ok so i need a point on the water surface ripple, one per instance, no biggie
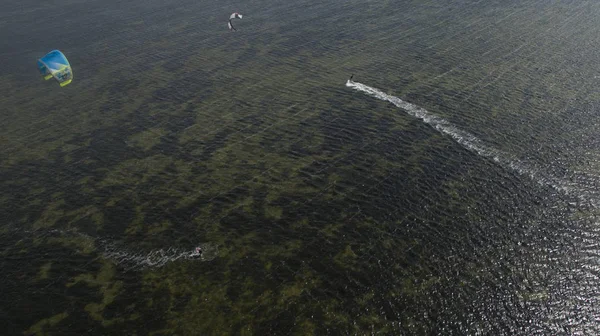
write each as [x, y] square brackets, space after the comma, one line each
[457, 196]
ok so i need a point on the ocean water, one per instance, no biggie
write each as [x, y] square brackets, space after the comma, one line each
[197, 181]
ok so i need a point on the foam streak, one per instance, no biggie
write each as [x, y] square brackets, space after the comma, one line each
[473, 144]
[157, 258]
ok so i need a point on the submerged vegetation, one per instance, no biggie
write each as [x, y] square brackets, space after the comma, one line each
[325, 211]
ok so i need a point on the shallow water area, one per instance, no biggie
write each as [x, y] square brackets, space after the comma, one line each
[450, 188]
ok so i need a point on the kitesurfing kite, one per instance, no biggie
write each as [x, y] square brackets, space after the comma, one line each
[55, 64]
[231, 17]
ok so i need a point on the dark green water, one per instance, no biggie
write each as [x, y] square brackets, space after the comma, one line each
[320, 209]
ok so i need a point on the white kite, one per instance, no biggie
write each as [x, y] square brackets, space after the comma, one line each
[235, 15]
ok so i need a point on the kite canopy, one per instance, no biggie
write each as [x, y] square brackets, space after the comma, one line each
[231, 17]
[55, 64]
[235, 16]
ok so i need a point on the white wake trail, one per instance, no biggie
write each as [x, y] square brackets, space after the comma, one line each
[125, 257]
[157, 258]
[475, 145]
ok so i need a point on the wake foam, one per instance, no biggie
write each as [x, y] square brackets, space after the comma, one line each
[124, 257]
[473, 144]
[158, 258]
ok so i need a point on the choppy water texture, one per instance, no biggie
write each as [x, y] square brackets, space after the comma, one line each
[452, 188]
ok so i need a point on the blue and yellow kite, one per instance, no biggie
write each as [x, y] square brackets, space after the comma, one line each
[55, 64]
